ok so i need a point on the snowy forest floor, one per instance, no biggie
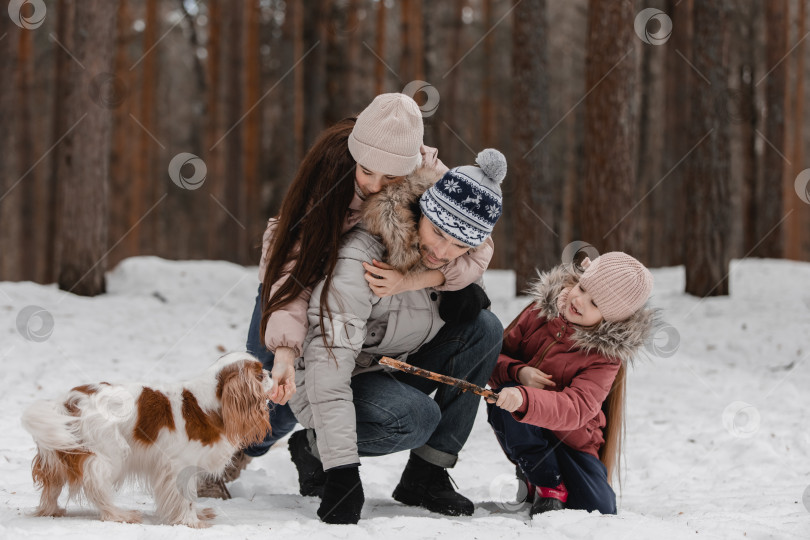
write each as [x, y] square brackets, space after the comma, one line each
[718, 430]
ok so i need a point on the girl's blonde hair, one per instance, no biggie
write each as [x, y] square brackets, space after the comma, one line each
[613, 407]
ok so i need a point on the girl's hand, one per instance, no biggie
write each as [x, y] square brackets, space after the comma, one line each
[509, 399]
[283, 375]
[430, 159]
[533, 377]
[384, 280]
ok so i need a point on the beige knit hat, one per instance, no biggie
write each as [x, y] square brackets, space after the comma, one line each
[388, 134]
[618, 283]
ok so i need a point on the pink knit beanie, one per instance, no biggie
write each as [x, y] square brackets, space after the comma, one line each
[388, 135]
[618, 283]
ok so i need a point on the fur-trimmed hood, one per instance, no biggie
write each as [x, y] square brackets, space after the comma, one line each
[392, 214]
[617, 340]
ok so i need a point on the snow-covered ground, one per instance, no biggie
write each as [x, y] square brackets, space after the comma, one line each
[718, 430]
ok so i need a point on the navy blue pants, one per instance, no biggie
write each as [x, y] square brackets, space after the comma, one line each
[546, 462]
[282, 420]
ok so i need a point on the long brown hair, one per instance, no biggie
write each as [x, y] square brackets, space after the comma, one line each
[310, 222]
[613, 407]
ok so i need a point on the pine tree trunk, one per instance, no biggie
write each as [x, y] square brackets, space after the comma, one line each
[672, 191]
[748, 130]
[122, 159]
[609, 221]
[379, 48]
[233, 235]
[83, 156]
[768, 231]
[29, 209]
[253, 135]
[532, 196]
[798, 222]
[138, 239]
[10, 166]
[213, 145]
[708, 224]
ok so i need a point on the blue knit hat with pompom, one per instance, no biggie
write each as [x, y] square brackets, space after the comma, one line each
[467, 201]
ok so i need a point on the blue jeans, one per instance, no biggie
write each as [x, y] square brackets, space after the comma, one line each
[546, 461]
[282, 420]
[394, 410]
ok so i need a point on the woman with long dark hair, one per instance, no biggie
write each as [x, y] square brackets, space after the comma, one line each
[349, 161]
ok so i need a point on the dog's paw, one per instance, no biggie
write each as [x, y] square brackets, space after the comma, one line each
[196, 523]
[206, 513]
[50, 512]
[123, 516]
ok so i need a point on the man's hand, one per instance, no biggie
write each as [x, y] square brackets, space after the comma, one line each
[533, 377]
[384, 280]
[283, 375]
[509, 399]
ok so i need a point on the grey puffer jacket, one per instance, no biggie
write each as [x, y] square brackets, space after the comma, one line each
[363, 327]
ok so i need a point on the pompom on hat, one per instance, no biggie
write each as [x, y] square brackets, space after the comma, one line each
[388, 135]
[618, 284]
[467, 201]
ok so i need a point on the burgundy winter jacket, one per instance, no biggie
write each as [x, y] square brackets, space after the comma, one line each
[582, 362]
[572, 409]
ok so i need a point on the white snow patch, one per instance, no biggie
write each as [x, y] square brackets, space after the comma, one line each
[697, 464]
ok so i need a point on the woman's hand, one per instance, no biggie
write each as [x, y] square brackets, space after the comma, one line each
[283, 375]
[534, 378]
[509, 399]
[384, 280]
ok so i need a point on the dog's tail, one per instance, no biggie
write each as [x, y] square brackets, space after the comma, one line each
[53, 425]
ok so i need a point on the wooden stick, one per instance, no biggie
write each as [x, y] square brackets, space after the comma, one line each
[462, 385]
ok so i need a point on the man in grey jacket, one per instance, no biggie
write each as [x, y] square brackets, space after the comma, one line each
[353, 408]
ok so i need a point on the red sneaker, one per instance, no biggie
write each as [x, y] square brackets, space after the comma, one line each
[548, 499]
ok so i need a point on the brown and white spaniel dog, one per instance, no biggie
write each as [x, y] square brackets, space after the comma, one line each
[98, 435]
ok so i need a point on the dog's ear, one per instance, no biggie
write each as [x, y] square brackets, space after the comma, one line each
[244, 404]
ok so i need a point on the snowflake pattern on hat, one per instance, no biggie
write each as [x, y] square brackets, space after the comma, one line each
[463, 204]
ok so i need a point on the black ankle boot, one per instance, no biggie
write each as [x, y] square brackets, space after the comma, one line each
[545, 504]
[311, 477]
[429, 486]
[343, 497]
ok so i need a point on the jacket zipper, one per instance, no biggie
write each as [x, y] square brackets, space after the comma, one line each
[542, 356]
[430, 327]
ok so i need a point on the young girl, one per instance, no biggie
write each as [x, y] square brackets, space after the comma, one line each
[349, 161]
[561, 379]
